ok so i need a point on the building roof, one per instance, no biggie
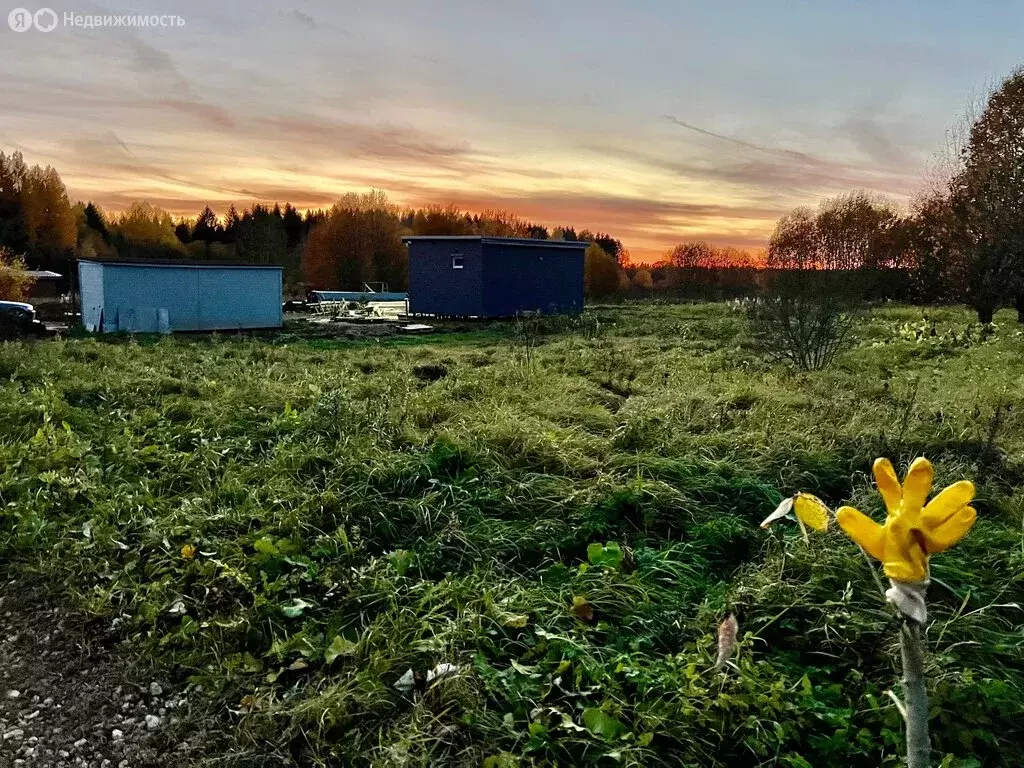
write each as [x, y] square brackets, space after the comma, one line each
[177, 263]
[485, 240]
[43, 274]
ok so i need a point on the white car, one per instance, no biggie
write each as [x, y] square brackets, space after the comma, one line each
[18, 308]
[22, 317]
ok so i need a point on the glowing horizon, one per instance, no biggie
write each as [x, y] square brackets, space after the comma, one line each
[655, 123]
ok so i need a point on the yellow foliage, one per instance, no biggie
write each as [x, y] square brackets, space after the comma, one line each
[14, 280]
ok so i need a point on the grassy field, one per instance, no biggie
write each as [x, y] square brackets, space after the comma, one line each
[291, 525]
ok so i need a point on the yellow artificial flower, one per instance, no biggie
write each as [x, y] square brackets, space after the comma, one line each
[808, 509]
[811, 510]
[912, 530]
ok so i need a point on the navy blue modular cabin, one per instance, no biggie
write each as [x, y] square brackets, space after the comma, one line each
[474, 276]
[160, 297]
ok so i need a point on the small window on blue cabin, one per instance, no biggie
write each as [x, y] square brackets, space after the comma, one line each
[458, 261]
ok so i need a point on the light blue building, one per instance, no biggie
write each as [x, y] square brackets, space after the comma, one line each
[165, 296]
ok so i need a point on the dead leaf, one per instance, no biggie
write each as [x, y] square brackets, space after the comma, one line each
[249, 703]
[727, 632]
[581, 609]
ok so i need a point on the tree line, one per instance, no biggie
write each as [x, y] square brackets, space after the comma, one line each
[962, 239]
[356, 241]
[359, 240]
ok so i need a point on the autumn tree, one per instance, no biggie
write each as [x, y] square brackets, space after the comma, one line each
[358, 241]
[794, 241]
[699, 269]
[441, 220]
[600, 272]
[854, 243]
[501, 223]
[49, 223]
[936, 250]
[12, 225]
[451, 220]
[15, 282]
[987, 202]
[822, 265]
[849, 232]
[855, 232]
[690, 267]
[145, 231]
[695, 255]
[642, 279]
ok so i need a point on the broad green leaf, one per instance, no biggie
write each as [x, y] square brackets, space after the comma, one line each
[600, 723]
[608, 555]
[339, 647]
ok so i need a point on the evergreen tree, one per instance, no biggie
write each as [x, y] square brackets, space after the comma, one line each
[231, 223]
[261, 236]
[95, 220]
[183, 231]
[207, 229]
[292, 221]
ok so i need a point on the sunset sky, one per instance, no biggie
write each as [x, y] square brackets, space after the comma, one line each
[656, 121]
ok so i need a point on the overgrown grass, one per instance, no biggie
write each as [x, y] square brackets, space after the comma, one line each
[363, 509]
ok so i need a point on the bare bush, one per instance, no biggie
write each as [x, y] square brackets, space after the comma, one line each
[802, 329]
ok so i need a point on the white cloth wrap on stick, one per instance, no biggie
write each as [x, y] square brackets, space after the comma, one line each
[908, 596]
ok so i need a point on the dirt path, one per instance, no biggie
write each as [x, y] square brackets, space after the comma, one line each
[69, 699]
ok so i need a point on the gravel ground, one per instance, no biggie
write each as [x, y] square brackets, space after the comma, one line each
[69, 699]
